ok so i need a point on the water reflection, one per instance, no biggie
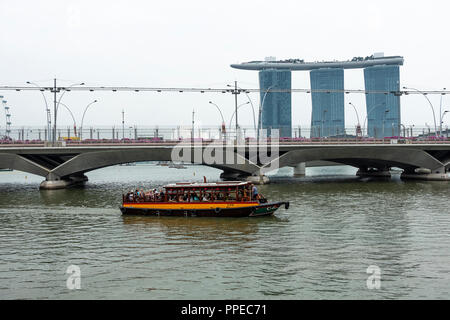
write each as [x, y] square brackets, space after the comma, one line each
[205, 229]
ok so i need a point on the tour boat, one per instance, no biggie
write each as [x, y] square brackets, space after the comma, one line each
[217, 199]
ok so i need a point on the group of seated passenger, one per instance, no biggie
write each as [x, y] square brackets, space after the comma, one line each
[193, 197]
[141, 196]
[155, 195]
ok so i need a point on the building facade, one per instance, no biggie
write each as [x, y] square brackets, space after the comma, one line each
[381, 73]
[383, 110]
[276, 110]
[328, 114]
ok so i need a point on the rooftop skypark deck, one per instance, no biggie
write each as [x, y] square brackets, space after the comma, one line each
[299, 64]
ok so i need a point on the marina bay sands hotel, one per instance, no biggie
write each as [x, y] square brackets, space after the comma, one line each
[328, 108]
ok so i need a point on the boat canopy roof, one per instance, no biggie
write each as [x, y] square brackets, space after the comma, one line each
[225, 184]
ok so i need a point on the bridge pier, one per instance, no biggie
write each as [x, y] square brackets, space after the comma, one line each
[300, 170]
[426, 174]
[232, 176]
[53, 183]
[237, 176]
[258, 179]
[374, 172]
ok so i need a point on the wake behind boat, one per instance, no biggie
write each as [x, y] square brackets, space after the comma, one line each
[217, 199]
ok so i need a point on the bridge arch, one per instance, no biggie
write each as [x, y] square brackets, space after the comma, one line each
[20, 163]
[89, 161]
[363, 156]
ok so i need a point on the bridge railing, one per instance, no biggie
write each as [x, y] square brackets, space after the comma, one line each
[176, 134]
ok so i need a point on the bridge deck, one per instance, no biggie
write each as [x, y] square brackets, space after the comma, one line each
[75, 159]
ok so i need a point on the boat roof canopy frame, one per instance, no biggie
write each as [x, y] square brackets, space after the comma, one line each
[195, 185]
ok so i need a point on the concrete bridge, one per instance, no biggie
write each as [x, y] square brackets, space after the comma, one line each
[66, 165]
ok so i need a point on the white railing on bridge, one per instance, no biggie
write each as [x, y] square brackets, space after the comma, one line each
[135, 134]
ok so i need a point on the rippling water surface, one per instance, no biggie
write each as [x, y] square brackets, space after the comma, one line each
[336, 227]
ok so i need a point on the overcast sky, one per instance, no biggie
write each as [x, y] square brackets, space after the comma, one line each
[193, 43]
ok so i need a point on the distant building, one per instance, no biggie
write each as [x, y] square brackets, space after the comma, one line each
[276, 106]
[328, 115]
[383, 110]
[328, 109]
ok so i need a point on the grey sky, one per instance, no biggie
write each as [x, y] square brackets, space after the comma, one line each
[192, 43]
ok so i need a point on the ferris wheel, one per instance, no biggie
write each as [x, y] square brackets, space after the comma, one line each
[8, 119]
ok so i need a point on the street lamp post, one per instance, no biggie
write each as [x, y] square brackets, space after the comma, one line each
[431, 105]
[428, 127]
[323, 121]
[358, 128]
[236, 107]
[250, 100]
[123, 124]
[261, 110]
[411, 127]
[73, 118]
[253, 110]
[56, 104]
[220, 111]
[193, 126]
[440, 113]
[404, 129]
[49, 117]
[223, 120]
[235, 91]
[384, 120]
[442, 118]
[367, 116]
[82, 118]
[232, 116]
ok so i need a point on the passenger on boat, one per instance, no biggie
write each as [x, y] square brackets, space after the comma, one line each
[255, 194]
[244, 196]
[130, 196]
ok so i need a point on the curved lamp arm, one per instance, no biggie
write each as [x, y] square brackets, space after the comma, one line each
[223, 120]
[82, 118]
[431, 105]
[234, 112]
